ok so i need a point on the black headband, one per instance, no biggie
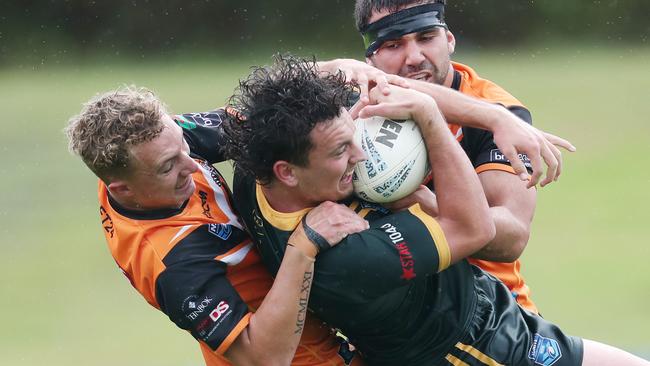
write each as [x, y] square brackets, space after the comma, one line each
[393, 26]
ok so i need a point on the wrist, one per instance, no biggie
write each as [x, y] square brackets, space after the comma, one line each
[299, 240]
[497, 118]
[427, 116]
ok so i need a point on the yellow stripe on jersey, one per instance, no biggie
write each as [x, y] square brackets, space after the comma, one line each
[364, 212]
[353, 206]
[455, 361]
[477, 354]
[436, 233]
[286, 221]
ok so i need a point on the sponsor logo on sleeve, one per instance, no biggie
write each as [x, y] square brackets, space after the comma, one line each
[544, 351]
[220, 310]
[406, 259]
[221, 231]
[497, 156]
[193, 307]
[206, 317]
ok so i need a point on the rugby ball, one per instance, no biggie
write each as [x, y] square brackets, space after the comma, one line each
[396, 159]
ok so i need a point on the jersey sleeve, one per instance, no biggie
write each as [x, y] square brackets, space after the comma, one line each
[482, 150]
[194, 291]
[204, 133]
[396, 249]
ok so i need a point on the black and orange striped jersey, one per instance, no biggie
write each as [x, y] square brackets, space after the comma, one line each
[196, 263]
[392, 291]
[477, 143]
[485, 155]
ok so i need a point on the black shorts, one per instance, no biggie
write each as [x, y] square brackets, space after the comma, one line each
[503, 333]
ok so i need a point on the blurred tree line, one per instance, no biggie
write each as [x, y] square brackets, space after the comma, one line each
[62, 29]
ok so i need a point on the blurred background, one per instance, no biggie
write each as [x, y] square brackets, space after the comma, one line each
[582, 67]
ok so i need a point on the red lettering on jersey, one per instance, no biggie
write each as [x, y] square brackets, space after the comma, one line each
[219, 310]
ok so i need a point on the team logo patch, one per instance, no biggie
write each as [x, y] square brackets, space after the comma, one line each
[185, 123]
[544, 351]
[222, 231]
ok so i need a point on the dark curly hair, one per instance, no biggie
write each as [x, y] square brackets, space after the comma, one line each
[278, 106]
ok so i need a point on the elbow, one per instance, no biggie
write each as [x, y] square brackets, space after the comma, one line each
[516, 247]
[485, 233]
[479, 237]
[504, 249]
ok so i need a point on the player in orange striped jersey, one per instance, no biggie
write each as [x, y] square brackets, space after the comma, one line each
[169, 223]
[410, 38]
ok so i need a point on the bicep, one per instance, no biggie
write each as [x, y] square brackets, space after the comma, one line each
[199, 298]
[396, 249]
[194, 290]
[504, 189]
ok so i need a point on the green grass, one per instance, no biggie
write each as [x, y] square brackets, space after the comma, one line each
[65, 302]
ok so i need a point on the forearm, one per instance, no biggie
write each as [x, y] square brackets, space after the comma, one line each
[461, 202]
[274, 331]
[461, 109]
[510, 239]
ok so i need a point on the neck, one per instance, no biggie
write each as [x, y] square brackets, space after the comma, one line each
[283, 199]
[124, 202]
[449, 79]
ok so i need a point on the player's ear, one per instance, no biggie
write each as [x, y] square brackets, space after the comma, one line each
[285, 172]
[451, 42]
[120, 189]
[369, 62]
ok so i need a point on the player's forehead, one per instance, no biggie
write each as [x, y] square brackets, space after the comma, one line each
[375, 15]
[149, 155]
[328, 135]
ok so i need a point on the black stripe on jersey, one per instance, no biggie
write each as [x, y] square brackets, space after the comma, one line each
[158, 214]
[522, 113]
[455, 84]
[194, 291]
[197, 296]
[205, 242]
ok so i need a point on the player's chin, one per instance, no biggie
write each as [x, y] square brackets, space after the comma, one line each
[185, 192]
[345, 190]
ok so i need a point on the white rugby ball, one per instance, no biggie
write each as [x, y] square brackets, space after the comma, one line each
[397, 160]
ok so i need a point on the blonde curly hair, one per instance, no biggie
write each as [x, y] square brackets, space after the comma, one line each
[110, 124]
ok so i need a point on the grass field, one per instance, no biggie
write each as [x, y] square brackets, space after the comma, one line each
[64, 302]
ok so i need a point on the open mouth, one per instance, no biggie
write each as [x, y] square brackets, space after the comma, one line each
[420, 75]
[347, 177]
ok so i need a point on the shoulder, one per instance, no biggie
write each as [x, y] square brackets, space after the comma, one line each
[474, 85]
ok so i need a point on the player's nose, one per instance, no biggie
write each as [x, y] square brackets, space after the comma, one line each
[357, 154]
[414, 55]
